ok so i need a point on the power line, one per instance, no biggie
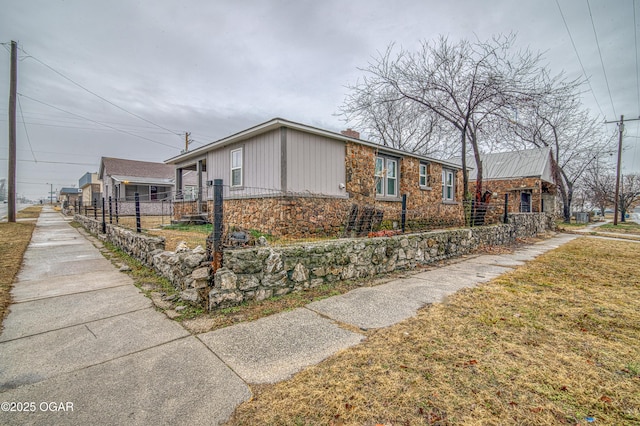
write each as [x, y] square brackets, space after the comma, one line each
[94, 121]
[98, 96]
[580, 60]
[96, 129]
[25, 130]
[601, 61]
[56, 162]
[635, 39]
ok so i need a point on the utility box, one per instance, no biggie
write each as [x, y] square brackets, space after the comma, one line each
[582, 217]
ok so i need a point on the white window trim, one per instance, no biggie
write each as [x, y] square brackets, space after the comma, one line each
[384, 177]
[426, 176]
[445, 173]
[241, 167]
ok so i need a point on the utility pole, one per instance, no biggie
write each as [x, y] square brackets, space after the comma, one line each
[619, 166]
[13, 88]
[186, 141]
[620, 131]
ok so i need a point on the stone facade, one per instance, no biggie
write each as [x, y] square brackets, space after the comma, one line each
[304, 216]
[425, 208]
[290, 216]
[543, 194]
[260, 273]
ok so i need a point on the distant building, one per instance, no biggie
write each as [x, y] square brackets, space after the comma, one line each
[69, 196]
[90, 186]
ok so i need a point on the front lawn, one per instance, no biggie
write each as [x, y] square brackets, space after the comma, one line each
[554, 342]
[622, 227]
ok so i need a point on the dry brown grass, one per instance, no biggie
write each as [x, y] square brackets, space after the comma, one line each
[174, 237]
[554, 342]
[622, 227]
[14, 239]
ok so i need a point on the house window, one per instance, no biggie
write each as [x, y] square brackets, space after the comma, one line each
[236, 167]
[525, 202]
[386, 173]
[448, 189]
[425, 175]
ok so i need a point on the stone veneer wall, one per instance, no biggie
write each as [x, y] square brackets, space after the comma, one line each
[288, 216]
[512, 187]
[188, 270]
[424, 205]
[262, 272]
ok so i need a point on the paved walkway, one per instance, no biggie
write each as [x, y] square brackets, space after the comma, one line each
[81, 336]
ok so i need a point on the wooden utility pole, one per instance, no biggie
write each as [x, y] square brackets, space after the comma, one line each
[186, 141]
[13, 88]
[616, 200]
[620, 131]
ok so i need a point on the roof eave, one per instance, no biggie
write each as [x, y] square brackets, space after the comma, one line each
[280, 122]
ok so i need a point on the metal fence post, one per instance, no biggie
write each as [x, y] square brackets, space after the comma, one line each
[403, 217]
[506, 208]
[104, 222]
[95, 209]
[110, 211]
[215, 246]
[138, 226]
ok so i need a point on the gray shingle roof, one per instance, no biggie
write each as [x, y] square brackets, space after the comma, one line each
[134, 168]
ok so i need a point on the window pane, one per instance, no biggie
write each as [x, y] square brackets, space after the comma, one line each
[423, 175]
[236, 158]
[236, 177]
[391, 168]
[391, 186]
[379, 166]
[379, 185]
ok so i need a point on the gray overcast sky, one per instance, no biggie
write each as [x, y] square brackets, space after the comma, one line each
[216, 67]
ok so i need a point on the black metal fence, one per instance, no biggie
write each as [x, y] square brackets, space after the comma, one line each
[134, 214]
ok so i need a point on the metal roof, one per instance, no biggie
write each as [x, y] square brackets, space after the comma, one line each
[513, 164]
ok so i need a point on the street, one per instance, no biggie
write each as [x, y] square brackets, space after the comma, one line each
[4, 208]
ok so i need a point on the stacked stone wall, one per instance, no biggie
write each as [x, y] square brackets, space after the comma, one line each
[263, 272]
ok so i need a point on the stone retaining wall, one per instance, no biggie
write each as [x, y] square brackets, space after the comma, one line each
[263, 272]
[187, 270]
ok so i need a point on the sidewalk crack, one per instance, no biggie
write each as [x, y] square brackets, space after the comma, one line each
[92, 333]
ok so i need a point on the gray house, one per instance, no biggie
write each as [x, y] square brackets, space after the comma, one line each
[288, 178]
[122, 178]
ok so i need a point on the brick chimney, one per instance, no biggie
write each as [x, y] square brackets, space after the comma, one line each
[351, 133]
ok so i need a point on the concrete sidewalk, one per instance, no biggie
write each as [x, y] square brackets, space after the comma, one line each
[79, 332]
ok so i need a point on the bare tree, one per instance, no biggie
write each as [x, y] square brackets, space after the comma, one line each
[557, 120]
[629, 194]
[392, 121]
[598, 183]
[465, 84]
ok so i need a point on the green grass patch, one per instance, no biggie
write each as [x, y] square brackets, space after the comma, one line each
[622, 227]
[203, 229]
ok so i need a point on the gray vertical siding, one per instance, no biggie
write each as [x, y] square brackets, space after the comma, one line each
[260, 163]
[315, 164]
